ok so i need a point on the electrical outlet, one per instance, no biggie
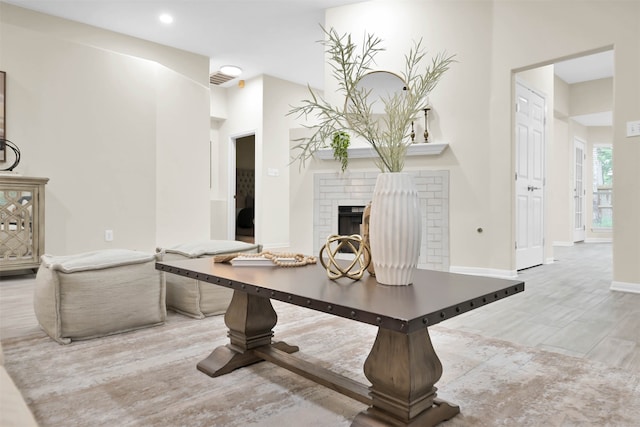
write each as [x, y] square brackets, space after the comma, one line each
[633, 128]
[108, 235]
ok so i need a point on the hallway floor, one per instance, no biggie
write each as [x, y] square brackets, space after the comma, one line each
[567, 307]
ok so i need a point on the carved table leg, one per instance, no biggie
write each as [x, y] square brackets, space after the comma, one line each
[250, 320]
[403, 369]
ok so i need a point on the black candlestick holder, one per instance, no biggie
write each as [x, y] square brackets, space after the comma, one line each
[426, 124]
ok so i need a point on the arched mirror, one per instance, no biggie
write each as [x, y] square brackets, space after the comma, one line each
[381, 86]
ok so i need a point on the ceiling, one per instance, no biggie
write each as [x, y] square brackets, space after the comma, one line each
[274, 37]
[585, 68]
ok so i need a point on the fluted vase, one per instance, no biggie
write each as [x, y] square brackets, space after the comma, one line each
[395, 228]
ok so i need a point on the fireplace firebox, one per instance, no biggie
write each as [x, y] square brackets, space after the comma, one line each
[349, 222]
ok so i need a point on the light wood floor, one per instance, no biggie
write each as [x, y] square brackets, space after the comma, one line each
[567, 307]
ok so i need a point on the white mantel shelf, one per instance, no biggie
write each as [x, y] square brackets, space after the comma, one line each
[417, 149]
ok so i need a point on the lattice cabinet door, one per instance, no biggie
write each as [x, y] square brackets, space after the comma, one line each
[21, 221]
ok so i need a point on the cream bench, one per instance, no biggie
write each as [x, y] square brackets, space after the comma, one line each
[99, 293]
[195, 298]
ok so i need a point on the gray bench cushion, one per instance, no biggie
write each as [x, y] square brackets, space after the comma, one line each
[102, 300]
[195, 298]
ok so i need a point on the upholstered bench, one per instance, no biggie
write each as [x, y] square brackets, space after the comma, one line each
[195, 298]
[98, 293]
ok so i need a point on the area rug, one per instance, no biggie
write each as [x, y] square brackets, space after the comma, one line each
[149, 378]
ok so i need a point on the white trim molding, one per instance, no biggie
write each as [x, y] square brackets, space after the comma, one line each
[633, 288]
[598, 240]
[487, 272]
[367, 152]
[279, 246]
[563, 244]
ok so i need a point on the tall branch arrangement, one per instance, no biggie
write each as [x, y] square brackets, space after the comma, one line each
[388, 135]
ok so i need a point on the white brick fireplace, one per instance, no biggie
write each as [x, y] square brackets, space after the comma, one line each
[332, 190]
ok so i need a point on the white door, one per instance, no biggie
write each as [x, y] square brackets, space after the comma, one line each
[579, 192]
[530, 124]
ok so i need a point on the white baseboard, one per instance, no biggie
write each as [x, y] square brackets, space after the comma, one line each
[633, 288]
[565, 244]
[278, 246]
[598, 240]
[488, 272]
[549, 260]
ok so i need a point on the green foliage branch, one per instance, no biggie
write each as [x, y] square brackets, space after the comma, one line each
[389, 136]
[340, 146]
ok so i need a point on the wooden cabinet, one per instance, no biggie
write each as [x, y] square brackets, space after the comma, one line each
[21, 221]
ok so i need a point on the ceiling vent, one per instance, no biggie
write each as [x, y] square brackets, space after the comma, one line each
[219, 78]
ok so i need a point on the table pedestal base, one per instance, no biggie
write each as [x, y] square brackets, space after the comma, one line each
[402, 368]
[440, 411]
[224, 359]
[250, 320]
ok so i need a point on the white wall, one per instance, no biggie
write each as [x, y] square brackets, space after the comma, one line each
[570, 100]
[279, 95]
[116, 123]
[602, 24]
[182, 159]
[259, 108]
[559, 193]
[244, 117]
[594, 96]
[460, 114]
[473, 105]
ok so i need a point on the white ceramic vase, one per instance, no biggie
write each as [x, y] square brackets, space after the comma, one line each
[395, 228]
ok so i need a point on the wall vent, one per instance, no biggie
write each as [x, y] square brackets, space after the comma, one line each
[219, 78]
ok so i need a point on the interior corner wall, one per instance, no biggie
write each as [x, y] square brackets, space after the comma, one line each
[492, 39]
[259, 108]
[85, 113]
[244, 117]
[626, 184]
[218, 193]
[277, 213]
[559, 194]
[576, 99]
[182, 159]
[593, 96]
[602, 24]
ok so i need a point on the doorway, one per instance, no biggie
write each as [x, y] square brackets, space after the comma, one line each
[244, 189]
[530, 147]
[580, 101]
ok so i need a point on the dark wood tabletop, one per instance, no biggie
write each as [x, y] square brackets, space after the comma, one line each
[433, 297]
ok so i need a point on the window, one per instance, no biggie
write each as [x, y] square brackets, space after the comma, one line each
[602, 187]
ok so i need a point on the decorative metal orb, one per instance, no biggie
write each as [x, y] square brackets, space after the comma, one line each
[5, 143]
[356, 268]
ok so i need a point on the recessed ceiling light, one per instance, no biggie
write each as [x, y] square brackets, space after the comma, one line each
[165, 18]
[231, 70]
